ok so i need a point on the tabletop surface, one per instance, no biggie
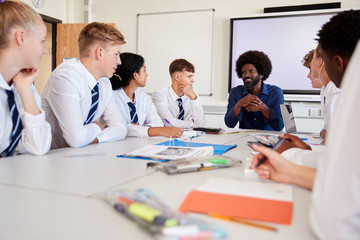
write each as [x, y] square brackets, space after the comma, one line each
[51, 196]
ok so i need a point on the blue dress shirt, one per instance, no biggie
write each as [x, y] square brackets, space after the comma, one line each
[271, 95]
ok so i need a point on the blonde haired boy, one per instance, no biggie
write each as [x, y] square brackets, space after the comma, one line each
[79, 92]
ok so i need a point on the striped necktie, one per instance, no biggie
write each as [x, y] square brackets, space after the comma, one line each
[181, 109]
[94, 104]
[16, 128]
[133, 114]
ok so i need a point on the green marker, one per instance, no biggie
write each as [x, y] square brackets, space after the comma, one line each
[218, 161]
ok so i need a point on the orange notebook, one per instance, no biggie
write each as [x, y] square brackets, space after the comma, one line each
[234, 205]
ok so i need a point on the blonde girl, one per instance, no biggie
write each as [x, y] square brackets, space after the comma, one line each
[22, 123]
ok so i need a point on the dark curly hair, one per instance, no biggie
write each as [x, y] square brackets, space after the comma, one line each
[130, 63]
[259, 59]
[340, 35]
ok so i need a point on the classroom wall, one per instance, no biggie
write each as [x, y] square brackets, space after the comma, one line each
[124, 14]
[68, 11]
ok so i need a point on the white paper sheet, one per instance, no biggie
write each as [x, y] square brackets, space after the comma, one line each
[264, 190]
[171, 152]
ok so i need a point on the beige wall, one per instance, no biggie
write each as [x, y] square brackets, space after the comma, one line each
[68, 11]
[124, 14]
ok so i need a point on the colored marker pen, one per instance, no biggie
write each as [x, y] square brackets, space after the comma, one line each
[168, 122]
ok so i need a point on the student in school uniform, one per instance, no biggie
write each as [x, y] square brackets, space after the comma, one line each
[134, 105]
[179, 105]
[22, 122]
[78, 92]
[335, 208]
[299, 152]
[328, 94]
[320, 79]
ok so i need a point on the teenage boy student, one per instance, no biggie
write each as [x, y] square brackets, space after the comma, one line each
[179, 105]
[335, 209]
[22, 123]
[78, 92]
[320, 79]
[256, 105]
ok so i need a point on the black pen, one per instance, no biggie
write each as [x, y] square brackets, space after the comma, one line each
[278, 144]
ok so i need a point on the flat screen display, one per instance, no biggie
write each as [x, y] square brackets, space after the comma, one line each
[285, 38]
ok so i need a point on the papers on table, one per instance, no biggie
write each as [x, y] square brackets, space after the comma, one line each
[157, 152]
[242, 199]
[218, 148]
[187, 134]
[272, 191]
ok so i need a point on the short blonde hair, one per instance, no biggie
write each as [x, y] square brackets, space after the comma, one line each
[98, 32]
[16, 14]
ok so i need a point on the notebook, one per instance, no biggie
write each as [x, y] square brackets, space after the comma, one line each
[289, 120]
[264, 201]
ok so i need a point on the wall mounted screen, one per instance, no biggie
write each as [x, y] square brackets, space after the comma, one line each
[285, 38]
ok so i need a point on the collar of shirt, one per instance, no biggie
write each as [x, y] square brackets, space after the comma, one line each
[265, 90]
[173, 94]
[126, 98]
[4, 85]
[90, 78]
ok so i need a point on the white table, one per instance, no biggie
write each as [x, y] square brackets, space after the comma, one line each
[81, 175]
[47, 197]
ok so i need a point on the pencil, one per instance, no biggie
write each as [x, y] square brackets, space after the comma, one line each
[168, 122]
[246, 131]
[242, 221]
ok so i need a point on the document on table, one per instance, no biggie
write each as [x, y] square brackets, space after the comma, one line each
[187, 134]
[265, 201]
[264, 190]
[169, 152]
[219, 149]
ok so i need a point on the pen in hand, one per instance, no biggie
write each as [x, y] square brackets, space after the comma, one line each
[168, 122]
[278, 144]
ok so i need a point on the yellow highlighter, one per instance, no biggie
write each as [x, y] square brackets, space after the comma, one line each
[151, 215]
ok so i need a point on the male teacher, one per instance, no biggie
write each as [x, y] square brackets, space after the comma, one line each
[255, 105]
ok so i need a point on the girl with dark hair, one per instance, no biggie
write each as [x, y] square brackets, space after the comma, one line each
[136, 106]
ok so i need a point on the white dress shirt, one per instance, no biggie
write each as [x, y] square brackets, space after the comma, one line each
[308, 158]
[165, 100]
[66, 101]
[36, 133]
[335, 202]
[328, 97]
[145, 109]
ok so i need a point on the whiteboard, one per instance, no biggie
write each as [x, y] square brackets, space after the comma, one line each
[164, 37]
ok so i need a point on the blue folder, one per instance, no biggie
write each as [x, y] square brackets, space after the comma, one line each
[219, 149]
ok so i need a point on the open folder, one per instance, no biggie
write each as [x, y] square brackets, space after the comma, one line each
[262, 201]
[219, 149]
